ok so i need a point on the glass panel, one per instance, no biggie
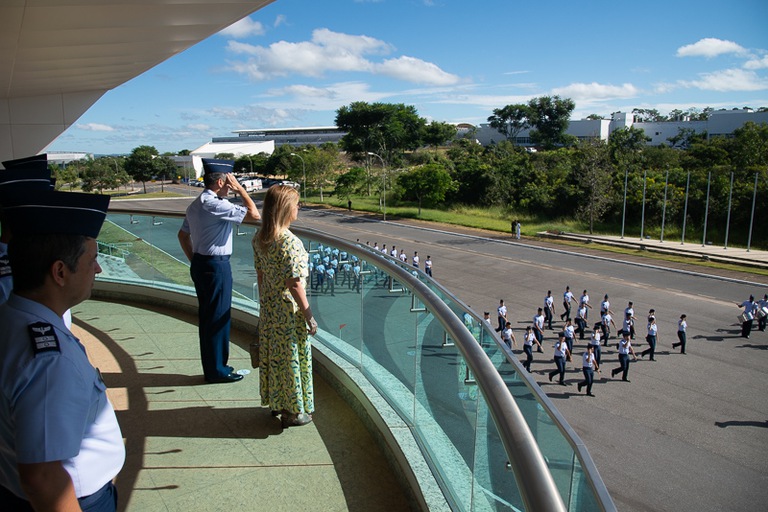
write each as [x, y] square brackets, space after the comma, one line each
[378, 325]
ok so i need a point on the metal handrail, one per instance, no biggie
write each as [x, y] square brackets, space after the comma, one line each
[534, 480]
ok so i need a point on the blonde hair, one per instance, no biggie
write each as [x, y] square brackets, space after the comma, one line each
[276, 213]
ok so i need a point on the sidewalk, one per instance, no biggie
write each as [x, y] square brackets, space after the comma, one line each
[738, 256]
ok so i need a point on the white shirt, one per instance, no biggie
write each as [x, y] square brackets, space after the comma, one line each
[595, 339]
[530, 338]
[584, 299]
[749, 307]
[605, 305]
[582, 312]
[569, 331]
[393, 253]
[588, 360]
[506, 335]
[567, 296]
[653, 329]
[539, 321]
[607, 319]
[560, 348]
[548, 301]
[624, 346]
[403, 257]
[502, 311]
[428, 264]
[682, 325]
[415, 260]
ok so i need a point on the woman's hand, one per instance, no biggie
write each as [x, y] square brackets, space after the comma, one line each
[312, 326]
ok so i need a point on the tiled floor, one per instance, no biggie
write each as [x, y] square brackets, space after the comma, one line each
[192, 446]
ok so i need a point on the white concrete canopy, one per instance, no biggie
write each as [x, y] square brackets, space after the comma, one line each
[58, 57]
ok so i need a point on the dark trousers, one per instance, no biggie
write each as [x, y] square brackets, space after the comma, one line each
[680, 336]
[761, 323]
[212, 276]
[598, 354]
[651, 350]
[428, 270]
[560, 363]
[569, 342]
[606, 333]
[548, 317]
[528, 349]
[566, 311]
[103, 500]
[589, 377]
[746, 328]
[581, 327]
[624, 368]
[501, 324]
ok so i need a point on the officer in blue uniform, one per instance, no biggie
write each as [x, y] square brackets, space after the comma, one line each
[60, 443]
[206, 238]
[27, 175]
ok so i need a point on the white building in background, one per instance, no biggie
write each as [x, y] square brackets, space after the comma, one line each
[720, 123]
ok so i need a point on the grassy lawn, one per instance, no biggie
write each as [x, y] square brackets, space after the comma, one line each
[147, 261]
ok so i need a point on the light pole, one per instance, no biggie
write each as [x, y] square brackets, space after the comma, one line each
[303, 176]
[384, 181]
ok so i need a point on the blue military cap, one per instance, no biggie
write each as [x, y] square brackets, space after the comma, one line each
[53, 212]
[36, 162]
[17, 182]
[211, 165]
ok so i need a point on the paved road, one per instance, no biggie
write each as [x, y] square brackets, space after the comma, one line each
[690, 432]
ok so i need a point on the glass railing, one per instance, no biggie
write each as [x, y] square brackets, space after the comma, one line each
[444, 371]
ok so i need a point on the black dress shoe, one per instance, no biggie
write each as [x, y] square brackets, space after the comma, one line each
[232, 377]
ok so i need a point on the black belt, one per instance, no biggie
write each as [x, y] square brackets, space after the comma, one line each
[204, 257]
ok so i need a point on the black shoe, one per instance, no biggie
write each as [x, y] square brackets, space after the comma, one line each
[626, 380]
[539, 349]
[550, 377]
[579, 386]
[232, 377]
[563, 384]
[590, 394]
[229, 369]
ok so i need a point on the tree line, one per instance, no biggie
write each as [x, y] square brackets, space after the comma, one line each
[390, 150]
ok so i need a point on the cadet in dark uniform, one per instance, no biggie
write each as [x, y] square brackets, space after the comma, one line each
[28, 178]
[206, 238]
[60, 443]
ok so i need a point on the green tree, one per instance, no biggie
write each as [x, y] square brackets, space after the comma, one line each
[593, 175]
[139, 164]
[382, 128]
[549, 117]
[427, 184]
[100, 174]
[349, 183]
[750, 146]
[164, 168]
[510, 120]
[438, 133]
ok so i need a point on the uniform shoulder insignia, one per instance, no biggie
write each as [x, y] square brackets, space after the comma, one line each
[43, 338]
[5, 266]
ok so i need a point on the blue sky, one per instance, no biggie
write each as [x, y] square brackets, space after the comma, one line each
[294, 62]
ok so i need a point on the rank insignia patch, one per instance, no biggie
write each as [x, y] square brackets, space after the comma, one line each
[43, 338]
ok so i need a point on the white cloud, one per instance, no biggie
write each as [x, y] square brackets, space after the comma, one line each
[280, 20]
[330, 51]
[709, 47]
[328, 98]
[199, 127]
[595, 91]
[757, 63]
[728, 80]
[95, 127]
[246, 27]
[411, 69]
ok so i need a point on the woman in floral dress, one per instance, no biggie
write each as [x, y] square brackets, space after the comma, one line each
[285, 370]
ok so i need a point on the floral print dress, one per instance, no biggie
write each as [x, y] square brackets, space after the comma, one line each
[285, 371]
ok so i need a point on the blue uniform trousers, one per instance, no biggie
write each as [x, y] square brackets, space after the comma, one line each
[212, 276]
